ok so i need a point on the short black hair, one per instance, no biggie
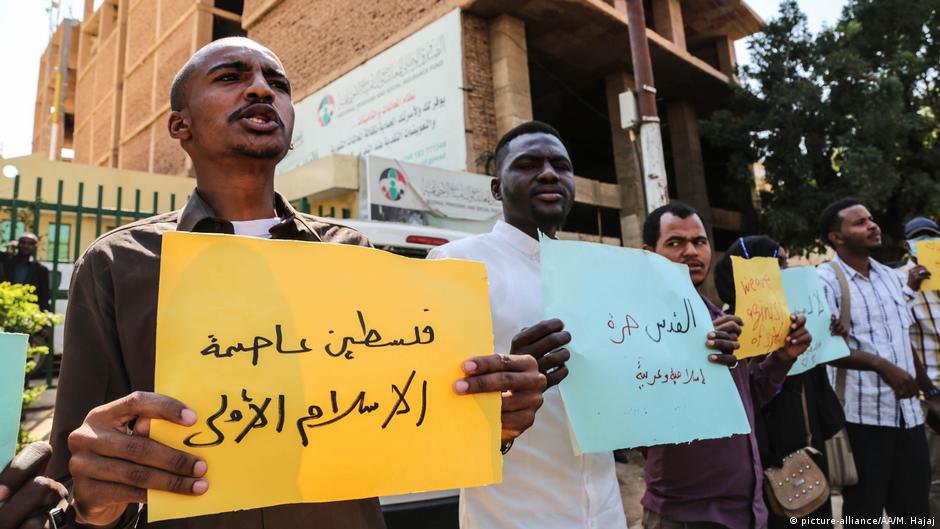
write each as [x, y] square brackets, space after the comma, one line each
[529, 127]
[651, 224]
[178, 88]
[830, 221]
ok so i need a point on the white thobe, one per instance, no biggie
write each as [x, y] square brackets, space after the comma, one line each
[545, 485]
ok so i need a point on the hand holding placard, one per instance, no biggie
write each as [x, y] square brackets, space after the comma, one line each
[545, 341]
[111, 469]
[26, 496]
[928, 255]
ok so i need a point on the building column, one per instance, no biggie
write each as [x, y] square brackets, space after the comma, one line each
[117, 109]
[727, 59]
[626, 164]
[687, 157]
[512, 95]
[667, 21]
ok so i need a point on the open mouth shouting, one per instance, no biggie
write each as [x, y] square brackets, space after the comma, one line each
[259, 117]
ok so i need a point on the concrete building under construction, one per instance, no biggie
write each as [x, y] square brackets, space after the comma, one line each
[432, 82]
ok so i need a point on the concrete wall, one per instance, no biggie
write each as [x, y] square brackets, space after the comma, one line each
[319, 40]
[123, 101]
[50, 63]
[162, 35]
[96, 87]
[478, 80]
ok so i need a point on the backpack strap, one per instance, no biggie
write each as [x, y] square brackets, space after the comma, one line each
[845, 319]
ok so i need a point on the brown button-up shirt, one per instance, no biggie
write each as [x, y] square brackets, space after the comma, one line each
[110, 337]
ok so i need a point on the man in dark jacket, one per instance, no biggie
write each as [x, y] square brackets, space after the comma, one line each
[231, 111]
[22, 268]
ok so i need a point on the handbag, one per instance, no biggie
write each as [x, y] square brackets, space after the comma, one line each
[842, 471]
[798, 487]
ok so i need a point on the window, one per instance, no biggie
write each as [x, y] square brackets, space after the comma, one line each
[60, 238]
[226, 27]
[5, 232]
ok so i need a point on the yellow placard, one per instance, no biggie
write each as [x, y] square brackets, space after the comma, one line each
[320, 372]
[928, 255]
[760, 301]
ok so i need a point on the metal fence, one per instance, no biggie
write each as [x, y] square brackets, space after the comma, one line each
[13, 208]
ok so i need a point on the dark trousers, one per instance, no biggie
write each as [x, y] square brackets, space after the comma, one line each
[652, 520]
[893, 473]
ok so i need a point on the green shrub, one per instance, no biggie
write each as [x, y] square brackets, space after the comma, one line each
[19, 312]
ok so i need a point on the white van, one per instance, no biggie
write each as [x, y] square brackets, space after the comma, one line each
[413, 240]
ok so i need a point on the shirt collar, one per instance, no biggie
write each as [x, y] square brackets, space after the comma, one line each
[197, 216]
[516, 238]
[852, 273]
[849, 271]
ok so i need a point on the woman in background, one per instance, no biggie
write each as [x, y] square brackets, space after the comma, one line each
[780, 428]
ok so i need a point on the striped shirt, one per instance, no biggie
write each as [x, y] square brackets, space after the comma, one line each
[880, 326]
[925, 333]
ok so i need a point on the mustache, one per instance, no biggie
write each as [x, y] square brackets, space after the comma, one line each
[240, 113]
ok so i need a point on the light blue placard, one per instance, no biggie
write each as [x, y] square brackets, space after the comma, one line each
[805, 294]
[639, 373]
[12, 374]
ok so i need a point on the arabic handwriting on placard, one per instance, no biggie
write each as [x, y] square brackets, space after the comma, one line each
[684, 376]
[371, 337]
[254, 415]
[674, 327]
[626, 330]
[258, 420]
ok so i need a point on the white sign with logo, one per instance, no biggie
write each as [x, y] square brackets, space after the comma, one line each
[418, 194]
[405, 103]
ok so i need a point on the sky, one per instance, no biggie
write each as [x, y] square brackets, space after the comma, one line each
[24, 32]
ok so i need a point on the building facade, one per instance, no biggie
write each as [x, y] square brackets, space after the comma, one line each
[565, 62]
[54, 115]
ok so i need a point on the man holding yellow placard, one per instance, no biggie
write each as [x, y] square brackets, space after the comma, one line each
[923, 235]
[232, 113]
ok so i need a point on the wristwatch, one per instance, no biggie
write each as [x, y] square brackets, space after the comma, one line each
[934, 391]
[58, 518]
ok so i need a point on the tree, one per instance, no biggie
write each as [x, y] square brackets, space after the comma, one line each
[19, 312]
[849, 112]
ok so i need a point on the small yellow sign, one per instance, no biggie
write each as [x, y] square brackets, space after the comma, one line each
[928, 255]
[760, 301]
[320, 372]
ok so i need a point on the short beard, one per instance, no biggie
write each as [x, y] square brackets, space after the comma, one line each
[260, 152]
[544, 221]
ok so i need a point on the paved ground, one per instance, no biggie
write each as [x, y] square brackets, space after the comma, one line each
[38, 417]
